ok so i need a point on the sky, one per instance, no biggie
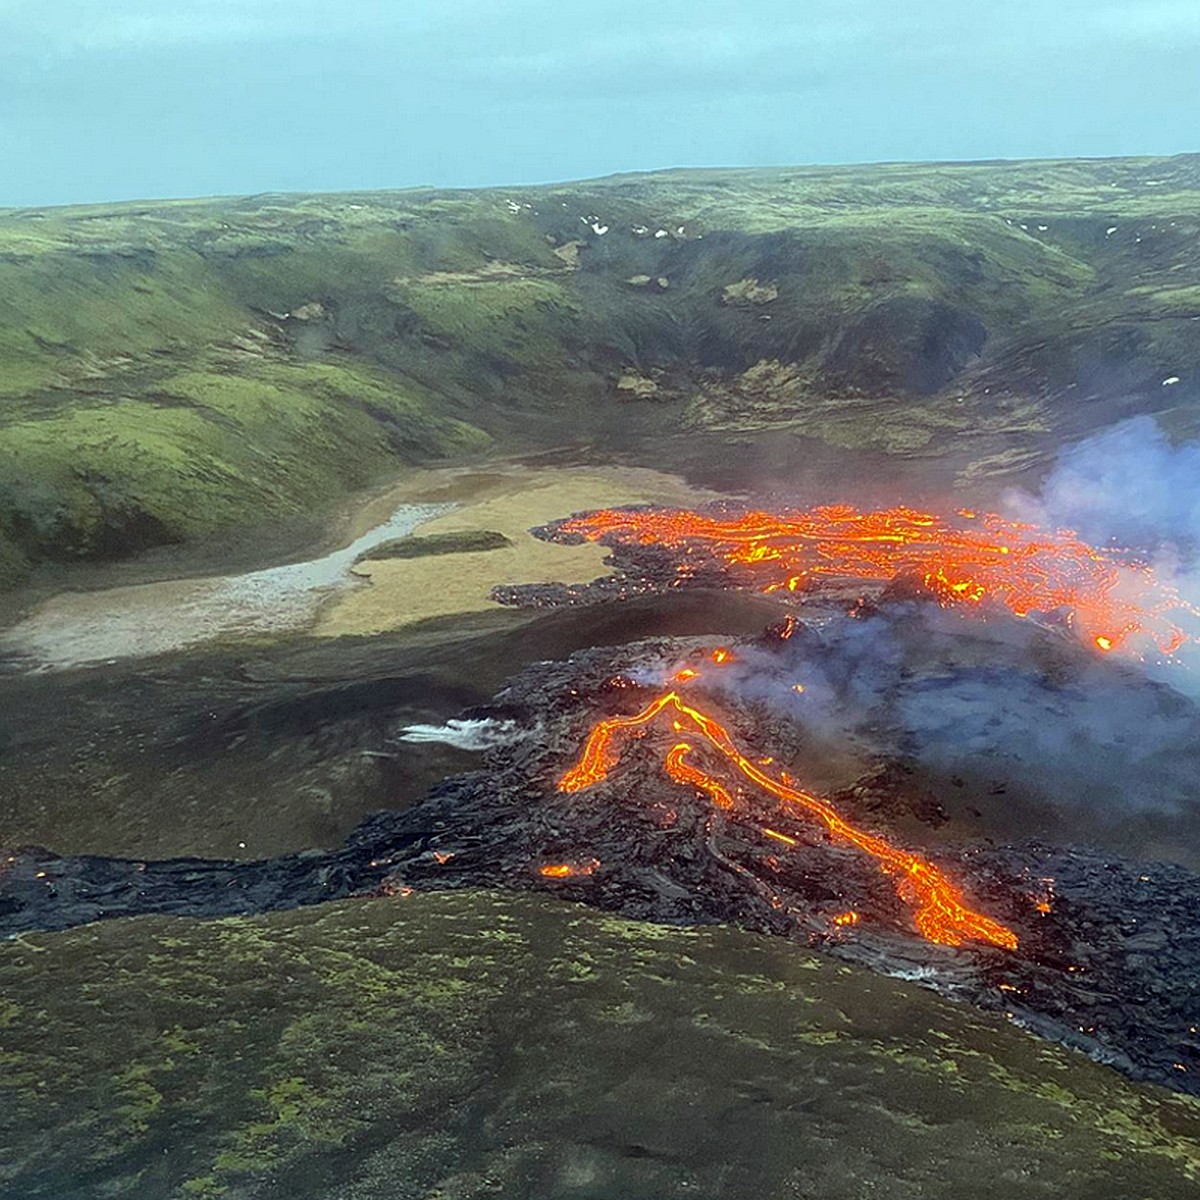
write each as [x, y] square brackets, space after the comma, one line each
[136, 99]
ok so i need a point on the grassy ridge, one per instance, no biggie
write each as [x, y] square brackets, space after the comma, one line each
[142, 402]
[476, 1045]
[168, 370]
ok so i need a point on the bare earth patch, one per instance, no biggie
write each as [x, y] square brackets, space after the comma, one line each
[509, 499]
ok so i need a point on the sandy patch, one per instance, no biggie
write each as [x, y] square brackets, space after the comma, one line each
[510, 500]
[82, 628]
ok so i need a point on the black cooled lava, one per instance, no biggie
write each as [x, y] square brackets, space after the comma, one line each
[1108, 958]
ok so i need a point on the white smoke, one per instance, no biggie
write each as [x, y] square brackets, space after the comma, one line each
[1130, 490]
[988, 699]
[1127, 485]
[466, 735]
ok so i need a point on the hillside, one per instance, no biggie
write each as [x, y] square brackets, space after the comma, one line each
[174, 371]
[481, 1045]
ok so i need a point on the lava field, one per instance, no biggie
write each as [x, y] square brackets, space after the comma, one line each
[655, 779]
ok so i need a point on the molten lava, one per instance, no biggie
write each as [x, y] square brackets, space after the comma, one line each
[972, 559]
[568, 870]
[940, 914]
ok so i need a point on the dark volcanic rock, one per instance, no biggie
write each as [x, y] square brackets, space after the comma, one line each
[1109, 956]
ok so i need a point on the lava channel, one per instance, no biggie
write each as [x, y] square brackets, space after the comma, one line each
[973, 559]
[939, 912]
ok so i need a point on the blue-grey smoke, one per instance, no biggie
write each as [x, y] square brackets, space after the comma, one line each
[1127, 485]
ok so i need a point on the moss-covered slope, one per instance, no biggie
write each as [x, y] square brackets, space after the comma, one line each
[172, 369]
[479, 1045]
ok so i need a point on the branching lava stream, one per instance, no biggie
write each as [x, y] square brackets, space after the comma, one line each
[940, 914]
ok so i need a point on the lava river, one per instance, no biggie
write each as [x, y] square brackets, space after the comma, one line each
[939, 912]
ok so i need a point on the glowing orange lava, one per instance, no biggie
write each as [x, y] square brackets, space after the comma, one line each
[939, 913]
[972, 559]
[568, 870]
[780, 837]
[684, 772]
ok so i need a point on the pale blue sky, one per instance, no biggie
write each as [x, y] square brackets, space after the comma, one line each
[106, 99]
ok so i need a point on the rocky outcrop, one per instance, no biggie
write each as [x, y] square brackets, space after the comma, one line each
[749, 292]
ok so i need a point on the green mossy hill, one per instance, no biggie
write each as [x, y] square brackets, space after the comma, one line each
[476, 1045]
[171, 369]
[208, 451]
[466, 541]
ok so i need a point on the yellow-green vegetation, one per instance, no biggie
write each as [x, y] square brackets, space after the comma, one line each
[473, 1045]
[207, 447]
[508, 500]
[142, 346]
[498, 319]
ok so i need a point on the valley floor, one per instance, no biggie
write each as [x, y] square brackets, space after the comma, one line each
[349, 590]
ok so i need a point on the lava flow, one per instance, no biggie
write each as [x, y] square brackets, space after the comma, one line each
[940, 914]
[974, 559]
